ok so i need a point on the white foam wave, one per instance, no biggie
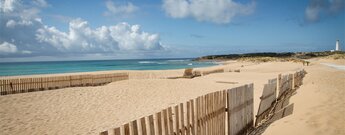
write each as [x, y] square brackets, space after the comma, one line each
[146, 62]
[176, 60]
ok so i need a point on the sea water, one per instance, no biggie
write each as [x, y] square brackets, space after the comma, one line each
[53, 67]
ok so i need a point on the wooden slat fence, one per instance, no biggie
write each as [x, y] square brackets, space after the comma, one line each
[268, 98]
[285, 84]
[224, 112]
[240, 109]
[220, 70]
[23, 85]
[298, 78]
[205, 115]
[279, 103]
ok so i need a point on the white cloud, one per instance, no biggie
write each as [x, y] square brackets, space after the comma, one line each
[41, 3]
[8, 5]
[103, 39]
[23, 26]
[6, 48]
[118, 9]
[320, 8]
[216, 11]
[26, 52]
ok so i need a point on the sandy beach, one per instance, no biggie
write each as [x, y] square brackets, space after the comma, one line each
[319, 103]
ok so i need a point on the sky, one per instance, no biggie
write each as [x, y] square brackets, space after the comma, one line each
[43, 30]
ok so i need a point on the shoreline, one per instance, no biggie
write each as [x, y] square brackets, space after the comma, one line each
[110, 70]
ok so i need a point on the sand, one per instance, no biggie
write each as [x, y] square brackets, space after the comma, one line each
[319, 103]
[89, 110]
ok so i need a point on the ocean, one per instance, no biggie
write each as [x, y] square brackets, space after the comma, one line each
[53, 67]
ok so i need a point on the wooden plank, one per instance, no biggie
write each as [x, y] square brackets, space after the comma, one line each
[13, 81]
[231, 115]
[5, 89]
[215, 104]
[182, 128]
[250, 106]
[223, 116]
[206, 117]
[193, 124]
[198, 127]
[213, 113]
[151, 125]
[18, 86]
[127, 130]
[177, 126]
[203, 116]
[165, 118]
[1, 87]
[23, 81]
[143, 126]
[208, 122]
[209, 114]
[171, 122]
[188, 126]
[32, 83]
[159, 122]
[225, 105]
[21, 85]
[6, 86]
[267, 99]
[13, 85]
[134, 127]
[218, 112]
[117, 131]
[104, 133]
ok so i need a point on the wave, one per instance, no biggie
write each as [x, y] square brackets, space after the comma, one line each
[177, 60]
[146, 62]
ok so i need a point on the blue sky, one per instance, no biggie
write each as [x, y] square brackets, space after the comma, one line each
[125, 29]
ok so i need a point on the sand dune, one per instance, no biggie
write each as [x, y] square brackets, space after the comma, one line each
[319, 103]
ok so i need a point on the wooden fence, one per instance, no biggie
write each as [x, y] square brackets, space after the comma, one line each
[267, 99]
[23, 85]
[205, 115]
[207, 72]
[279, 104]
[241, 109]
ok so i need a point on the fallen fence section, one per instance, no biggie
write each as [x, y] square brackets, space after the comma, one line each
[24, 85]
[267, 99]
[278, 106]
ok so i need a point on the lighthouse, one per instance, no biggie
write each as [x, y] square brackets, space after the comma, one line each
[337, 46]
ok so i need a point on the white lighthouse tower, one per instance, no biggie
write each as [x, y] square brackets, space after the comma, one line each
[337, 48]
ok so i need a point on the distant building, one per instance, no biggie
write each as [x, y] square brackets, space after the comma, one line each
[337, 47]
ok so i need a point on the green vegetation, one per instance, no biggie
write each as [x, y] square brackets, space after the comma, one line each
[269, 56]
